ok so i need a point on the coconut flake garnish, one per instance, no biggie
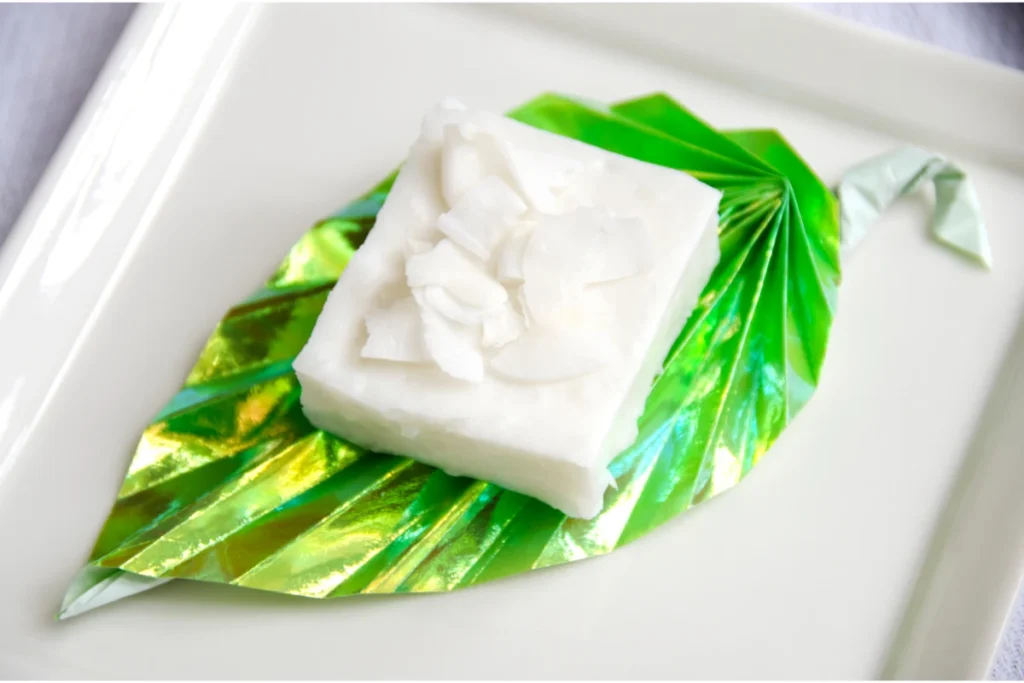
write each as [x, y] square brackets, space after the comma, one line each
[542, 177]
[461, 165]
[508, 285]
[447, 305]
[583, 247]
[446, 265]
[554, 264]
[501, 326]
[395, 333]
[482, 216]
[445, 113]
[510, 254]
[453, 352]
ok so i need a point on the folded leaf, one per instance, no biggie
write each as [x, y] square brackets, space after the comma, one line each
[231, 484]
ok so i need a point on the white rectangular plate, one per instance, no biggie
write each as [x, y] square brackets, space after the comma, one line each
[884, 533]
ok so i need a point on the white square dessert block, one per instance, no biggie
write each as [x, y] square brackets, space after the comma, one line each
[433, 346]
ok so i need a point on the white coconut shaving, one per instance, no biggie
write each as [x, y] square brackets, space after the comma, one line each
[506, 284]
[395, 333]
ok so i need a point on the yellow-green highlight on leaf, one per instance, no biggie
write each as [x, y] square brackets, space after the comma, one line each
[231, 484]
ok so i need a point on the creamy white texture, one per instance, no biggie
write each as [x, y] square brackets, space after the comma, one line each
[508, 312]
[520, 242]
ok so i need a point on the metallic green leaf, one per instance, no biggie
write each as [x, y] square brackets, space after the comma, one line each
[231, 484]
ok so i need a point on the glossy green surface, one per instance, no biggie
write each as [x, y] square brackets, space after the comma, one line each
[231, 484]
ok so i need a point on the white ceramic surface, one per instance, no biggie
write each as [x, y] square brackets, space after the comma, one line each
[272, 117]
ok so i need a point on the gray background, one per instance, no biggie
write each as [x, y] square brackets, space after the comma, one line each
[51, 54]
